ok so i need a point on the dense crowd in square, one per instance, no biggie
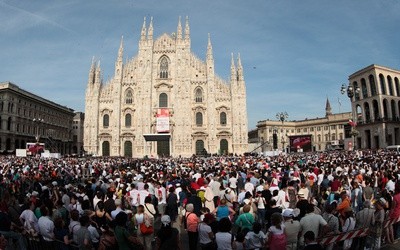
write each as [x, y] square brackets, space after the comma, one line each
[288, 201]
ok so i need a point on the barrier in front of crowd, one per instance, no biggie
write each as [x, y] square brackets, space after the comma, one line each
[354, 233]
[343, 236]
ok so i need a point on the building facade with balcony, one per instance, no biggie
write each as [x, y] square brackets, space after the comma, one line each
[376, 107]
[165, 101]
[326, 133]
[28, 118]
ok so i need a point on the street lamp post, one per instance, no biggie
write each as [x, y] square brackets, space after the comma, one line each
[282, 116]
[351, 92]
[283, 143]
[275, 138]
[37, 121]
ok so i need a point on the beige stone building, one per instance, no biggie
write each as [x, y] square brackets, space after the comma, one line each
[325, 133]
[376, 106]
[165, 101]
[28, 118]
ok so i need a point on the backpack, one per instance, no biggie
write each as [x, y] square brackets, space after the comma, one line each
[185, 220]
[201, 193]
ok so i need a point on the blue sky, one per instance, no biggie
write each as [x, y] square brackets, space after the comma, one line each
[295, 53]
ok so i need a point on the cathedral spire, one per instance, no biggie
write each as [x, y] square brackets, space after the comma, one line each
[92, 72]
[121, 50]
[239, 69]
[98, 73]
[179, 29]
[119, 62]
[150, 31]
[233, 69]
[143, 34]
[209, 49]
[187, 30]
[328, 109]
[93, 66]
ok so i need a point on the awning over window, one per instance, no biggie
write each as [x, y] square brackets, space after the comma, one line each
[157, 137]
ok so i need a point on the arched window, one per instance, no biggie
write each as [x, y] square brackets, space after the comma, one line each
[375, 108]
[367, 112]
[106, 121]
[372, 85]
[398, 108]
[390, 85]
[199, 147]
[106, 148]
[364, 88]
[385, 109]
[9, 124]
[163, 100]
[223, 146]
[199, 95]
[397, 84]
[359, 113]
[222, 118]
[333, 136]
[128, 149]
[164, 68]
[128, 97]
[393, 107]
[382, 84]
[199, 119]
[128, 120]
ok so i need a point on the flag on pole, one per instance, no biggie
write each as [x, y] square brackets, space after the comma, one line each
[352, 123]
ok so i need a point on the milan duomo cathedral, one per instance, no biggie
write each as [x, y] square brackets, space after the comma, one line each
[165, 101]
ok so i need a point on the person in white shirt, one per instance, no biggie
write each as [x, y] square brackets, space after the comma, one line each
[29, 220]
[215, 186]
[98, 197]
[223, 238]
[281, 199]
[134, 196]
[311, 222]
[114, 213]
[161, 195]
[196, 176]
[390, 185]
[143, 194]
[206, 235]
[46, 225]
[241, 196]
[233, 181]
[249, 187]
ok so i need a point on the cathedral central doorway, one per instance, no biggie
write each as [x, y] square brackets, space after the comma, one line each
[163, 143]
[163, 148]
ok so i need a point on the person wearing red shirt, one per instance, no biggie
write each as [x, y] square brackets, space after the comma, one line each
[335, 185]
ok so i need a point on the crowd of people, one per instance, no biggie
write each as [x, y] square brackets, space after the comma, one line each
[287, 201]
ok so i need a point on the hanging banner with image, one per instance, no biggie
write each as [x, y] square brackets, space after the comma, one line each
[162, 120]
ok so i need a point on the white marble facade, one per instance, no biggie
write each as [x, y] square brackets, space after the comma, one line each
[207, 113]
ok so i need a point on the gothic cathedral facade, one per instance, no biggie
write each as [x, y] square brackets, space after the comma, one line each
[165, 101]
